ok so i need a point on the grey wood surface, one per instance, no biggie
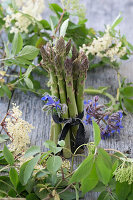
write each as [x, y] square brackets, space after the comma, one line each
[99, 12]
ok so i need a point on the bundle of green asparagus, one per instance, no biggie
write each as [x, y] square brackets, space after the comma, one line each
[67, 81]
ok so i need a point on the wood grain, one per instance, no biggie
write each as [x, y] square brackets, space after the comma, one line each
[98, 13]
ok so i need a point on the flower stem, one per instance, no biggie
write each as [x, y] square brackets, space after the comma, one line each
[96, 91]
[118, 89]
[116, 151]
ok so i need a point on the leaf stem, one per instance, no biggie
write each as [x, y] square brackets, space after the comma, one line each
[59, 23]
[65, 189]
[118, 89]
[75, 153]
[4, 59]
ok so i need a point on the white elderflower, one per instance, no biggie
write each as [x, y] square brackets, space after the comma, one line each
[106, 46]
[18, 130]
[75, 6]
[28, 12]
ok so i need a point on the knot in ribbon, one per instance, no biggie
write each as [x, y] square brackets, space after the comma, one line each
[68, 123]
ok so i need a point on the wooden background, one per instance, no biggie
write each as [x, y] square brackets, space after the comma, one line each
[99, 12]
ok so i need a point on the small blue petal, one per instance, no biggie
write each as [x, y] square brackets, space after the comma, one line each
[106, 117]
[87, 102]
[113, 131]
[121, 115]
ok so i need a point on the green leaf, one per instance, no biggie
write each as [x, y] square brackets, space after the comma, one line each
[42, 173]
[7, 91]
[27, 169]
[17, 43]
[61, 143]
[117, 21]
[104, 196]
[88, 183]
[32, 196]
[105, 158]
[29, 83]
[20, 188]
[12, 193]
[22, 61]
[64, 28]
[3, 138]
[103, 172]
[128, 103]
[28, 52]
[1, 92]
[130, 197]
[68, 195]
[52, 25]
[8, 155]
[44, 156]
[32, 151]
[42, 194]
[115, 166]
[130, 46]
[21, 174]
[45, 24]
[28, 71]
[54, 164]
[122, 190]
[86, 167]
[40, 42]
[127, 91]
[100, 187]
[30, 185]
[7, 51]
[49, 143]
[55, 7]
[13, 174]
[96, 131]
[52, 146]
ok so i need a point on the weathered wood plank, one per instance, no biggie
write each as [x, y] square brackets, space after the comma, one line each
[4, 104]
[98, 13]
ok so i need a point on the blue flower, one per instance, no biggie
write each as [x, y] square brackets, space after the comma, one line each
[120, 113]
[51, 101]
[87, 102]
[108, 122]
[106, 117]
[88, 120]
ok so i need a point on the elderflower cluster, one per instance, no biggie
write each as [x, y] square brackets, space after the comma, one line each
[66, 164]
[28, 11]
[18, 130]
[91, 148]
[75, 6]
[2, 74]
[106, 46]
[124, 173]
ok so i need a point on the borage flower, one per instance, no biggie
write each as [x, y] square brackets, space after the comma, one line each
[108, 122]
[53, 105]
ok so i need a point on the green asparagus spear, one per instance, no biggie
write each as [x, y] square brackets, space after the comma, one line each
[73, 112]
[59, 63]
[48, 61]
[83, 67]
